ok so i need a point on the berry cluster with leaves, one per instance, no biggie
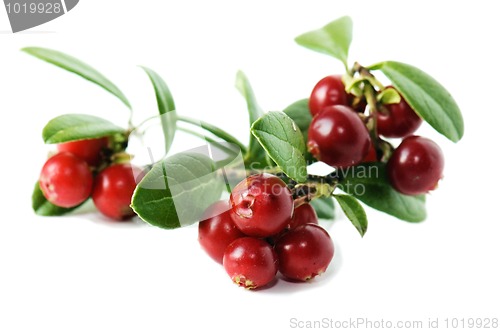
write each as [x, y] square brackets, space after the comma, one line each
[350, 122]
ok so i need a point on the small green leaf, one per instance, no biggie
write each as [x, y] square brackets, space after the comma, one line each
[369, 184]
[354, 212]
[283, 142]
[333, 39]
[166, 107]
[255, 151]
[426, 96]
[73, 127]
[300, 114]
[389, 96]
[78, 67]
[324, 207]
[177, 190]
[42, 207]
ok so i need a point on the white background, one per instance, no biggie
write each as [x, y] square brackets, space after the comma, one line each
[85, 273]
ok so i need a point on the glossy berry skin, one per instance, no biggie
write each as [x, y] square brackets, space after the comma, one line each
[250, 262]
[304, 214]
[217, 230]
[371, 156]
[338, 137]
[113, 190]
[400, 120]
[88, 150]
[66, 180]
[328, 91]
[304, 252]
[416, 166]
[261, 205]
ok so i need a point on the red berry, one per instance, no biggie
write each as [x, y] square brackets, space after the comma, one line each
[113, 190]
[66, 180]
[261, 205]
[338, 137]
[304, 252]
[302, 215]
[88, 149]
[328, 91]
[400, 120]
[217, 230]
[416, 166]
[371, 156]
[250, 262]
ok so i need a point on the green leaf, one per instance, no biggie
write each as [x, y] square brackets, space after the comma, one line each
[42, 207]
[166, 107]
[255, 151]
[333, 39]
[73, 127]
[283, 142]
[177, 190]
[426, 96]
[300, 114]
[369, 184]
[354, 212]
[389, 96]
[78, 67]
[324, 207]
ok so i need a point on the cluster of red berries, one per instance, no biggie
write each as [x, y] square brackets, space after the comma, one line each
[339, 137]
[79, 170]
[259, 232]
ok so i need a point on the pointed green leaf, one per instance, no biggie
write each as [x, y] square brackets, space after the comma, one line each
[354, 212]
[42, 207]
[389, 96]
[177, 190]
[333, 39]
[369, 184]
[73, 127]
[283, 142]
[166, 107]
[426, 96]
[78, 67]
[324, 207]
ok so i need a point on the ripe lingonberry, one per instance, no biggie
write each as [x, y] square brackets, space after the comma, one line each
[399, 121]
[250, 262]
[88, 150]
[416, 166]
[304, 252]
[328, 91]
[338, 137]
[217, 230]
[261, 205]
[113, 190]
[66, 180]
[302, 215]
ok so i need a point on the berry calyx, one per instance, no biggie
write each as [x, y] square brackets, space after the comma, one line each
[261, 205]
[250, 262]
[113, 190]
[399, 121]
[416, 166]
[338, 137]
[329, 91]
[66, 180]
[217, 230]
[304, 252]
[88, 150]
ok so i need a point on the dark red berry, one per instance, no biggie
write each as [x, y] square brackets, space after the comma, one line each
[113, 190]
[217, 230]
[399, 121]
[304, 252]
[66, 180]
[338, 137]
[328, 91]
[371, 156]
[416, 166]
[250, 262]
[88, 149]
[261, 205]
[302, 215]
